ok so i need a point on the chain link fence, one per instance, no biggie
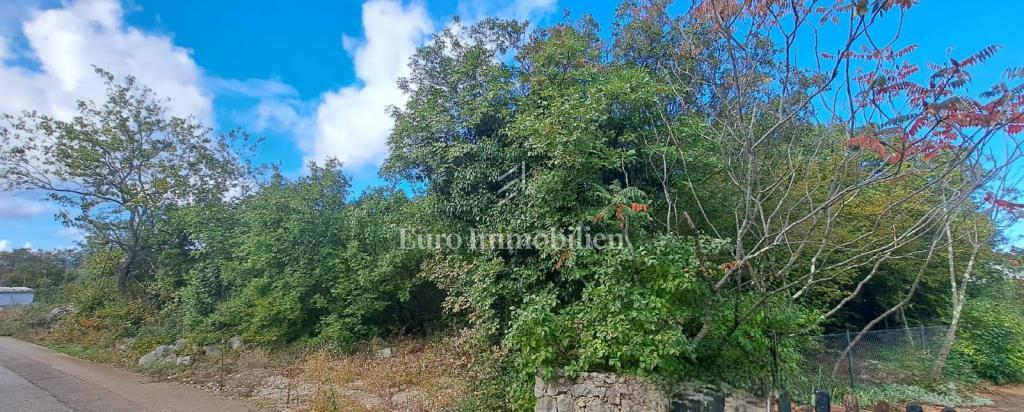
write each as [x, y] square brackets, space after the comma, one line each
[904, 355]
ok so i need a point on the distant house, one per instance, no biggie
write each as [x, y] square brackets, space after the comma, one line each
[16, 296]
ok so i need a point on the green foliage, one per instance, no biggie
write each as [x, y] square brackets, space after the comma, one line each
[990, 342]
[596, 137]
[612, 139]
[297, 260]
[118, 163]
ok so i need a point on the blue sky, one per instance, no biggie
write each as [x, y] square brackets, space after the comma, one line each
[311, 77]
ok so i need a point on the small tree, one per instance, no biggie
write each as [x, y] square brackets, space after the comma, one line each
[115, 165]
[803, 143]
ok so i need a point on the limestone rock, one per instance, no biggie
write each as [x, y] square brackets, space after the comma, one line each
[60, 312]
[236, 343]
[161, 354]
[212, 350]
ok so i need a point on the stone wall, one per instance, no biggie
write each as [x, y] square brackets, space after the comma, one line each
[593, 392]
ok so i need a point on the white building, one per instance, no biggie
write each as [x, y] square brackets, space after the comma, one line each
[16, 296]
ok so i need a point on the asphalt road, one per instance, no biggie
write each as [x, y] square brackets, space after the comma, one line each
[33, 378]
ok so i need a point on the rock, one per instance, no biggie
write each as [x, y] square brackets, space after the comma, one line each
[180, 345]
[236, 343]
[183, 361]
[599, 392]
[384, 353]
[586, 388]
[162, 354]
[60, 312]
[212, 350]
[408, 399]
[124, 344]
[284, 390]
[564, 403]
[545, 404]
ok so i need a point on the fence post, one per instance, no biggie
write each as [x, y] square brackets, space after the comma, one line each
[849, 358]
[784, 405]
[822, 401]
[924, 346]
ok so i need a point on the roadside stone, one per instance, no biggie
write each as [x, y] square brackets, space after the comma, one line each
[236, 343]
[180, 345]
[183, 361]
[283, 390]
[407, 400]
[384, 353]
[60, 312]
[161, 354]
[212, 350]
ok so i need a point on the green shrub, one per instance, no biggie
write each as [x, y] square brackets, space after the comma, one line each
[637, 315]
[990, 339]
[298, 261]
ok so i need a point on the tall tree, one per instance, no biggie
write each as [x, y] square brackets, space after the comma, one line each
[115, 165]
[804, 142]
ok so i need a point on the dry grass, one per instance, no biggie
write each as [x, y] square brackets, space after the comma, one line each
[14, 321]
[418, 376]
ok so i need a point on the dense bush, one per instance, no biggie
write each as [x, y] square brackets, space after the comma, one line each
[298, 260]
[732, 243]
[990, 343]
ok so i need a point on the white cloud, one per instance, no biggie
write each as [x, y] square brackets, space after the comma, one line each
[277, 108]
[13, 207]
[27, 245]
[353, 123]
[47, 66]
[5, 245]
[253, 88]
[71, 233]
[61, 44]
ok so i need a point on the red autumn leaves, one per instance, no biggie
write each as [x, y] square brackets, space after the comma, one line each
[1003, 204]
[940, 118]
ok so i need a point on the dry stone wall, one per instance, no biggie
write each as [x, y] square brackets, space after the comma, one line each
[606, 392]
[593, 392]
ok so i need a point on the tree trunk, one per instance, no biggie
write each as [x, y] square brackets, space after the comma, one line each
[959, 296]
[947, 345]
[124, 271]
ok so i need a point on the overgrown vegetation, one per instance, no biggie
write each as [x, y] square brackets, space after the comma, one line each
[990, 344]
[718, 195]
